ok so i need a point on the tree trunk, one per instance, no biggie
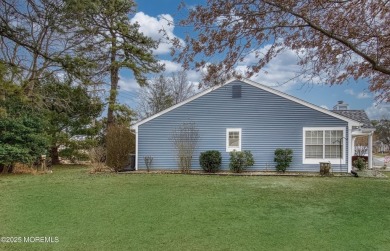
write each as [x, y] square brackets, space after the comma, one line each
[6, 168]
[55, 159]
[114, 72]
[112, 97]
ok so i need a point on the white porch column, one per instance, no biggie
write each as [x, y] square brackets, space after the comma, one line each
[353, 146]
[370, 151]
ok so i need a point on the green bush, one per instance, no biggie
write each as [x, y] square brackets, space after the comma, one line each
[283, 158]
[119, 143]
[210, 161]
[240, 161]
[360, 163]
[22, 140]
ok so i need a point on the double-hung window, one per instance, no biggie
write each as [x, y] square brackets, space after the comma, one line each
[233, 139]
[324, 144]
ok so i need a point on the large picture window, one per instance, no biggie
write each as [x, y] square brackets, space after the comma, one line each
[323, 144]
[233, 139]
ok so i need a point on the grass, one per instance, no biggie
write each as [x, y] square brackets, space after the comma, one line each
[188, 212]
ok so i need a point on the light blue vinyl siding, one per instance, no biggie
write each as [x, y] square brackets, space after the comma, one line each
[268, 121]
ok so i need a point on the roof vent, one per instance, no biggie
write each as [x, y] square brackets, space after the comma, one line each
[236, 91]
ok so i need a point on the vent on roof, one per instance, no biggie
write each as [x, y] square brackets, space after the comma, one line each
[236, 91]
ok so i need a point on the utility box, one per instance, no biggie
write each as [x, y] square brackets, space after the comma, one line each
[131, 164]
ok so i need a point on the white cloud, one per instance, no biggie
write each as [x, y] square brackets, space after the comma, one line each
[194, 76]
[171, 66]
[128, 84]
[378, 111]
[156, 27]
[280, 72]
[363, 95]
[349, 91]
[360, 95]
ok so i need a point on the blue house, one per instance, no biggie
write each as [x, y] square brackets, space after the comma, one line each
[244, 115]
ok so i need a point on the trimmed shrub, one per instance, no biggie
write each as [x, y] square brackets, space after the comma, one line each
[119, 143]
[360, 163]
[210, 161]
[283, 158]
[239, 161]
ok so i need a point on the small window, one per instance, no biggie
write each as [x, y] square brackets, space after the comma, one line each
[233, 139]
[236, 91]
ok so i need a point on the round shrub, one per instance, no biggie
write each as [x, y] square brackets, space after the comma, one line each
[210, 161]
[283, 158]
[239, 161]
[360, 163]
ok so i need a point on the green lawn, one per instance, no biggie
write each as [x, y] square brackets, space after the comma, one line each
[189, 212]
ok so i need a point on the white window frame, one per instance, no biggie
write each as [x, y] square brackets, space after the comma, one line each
[230, 149]
[331, 160]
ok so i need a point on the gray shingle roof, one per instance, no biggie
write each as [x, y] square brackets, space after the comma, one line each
[357, 115]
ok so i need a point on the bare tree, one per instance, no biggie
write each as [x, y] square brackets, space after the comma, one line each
[216, 74]
[382, 131]
[162, 92]
[361, 146]
[155, 97]
[181, 88]
[97, 156]
[185, 140]
[334, 40]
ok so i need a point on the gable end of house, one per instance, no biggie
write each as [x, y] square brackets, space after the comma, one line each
[236, 93]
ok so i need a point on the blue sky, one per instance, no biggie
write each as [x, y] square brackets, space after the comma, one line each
[153, 15]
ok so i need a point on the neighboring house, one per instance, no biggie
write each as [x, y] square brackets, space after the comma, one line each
[244, 115]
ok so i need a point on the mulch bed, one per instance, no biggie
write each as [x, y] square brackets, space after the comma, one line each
[364, 173]
[247, 173]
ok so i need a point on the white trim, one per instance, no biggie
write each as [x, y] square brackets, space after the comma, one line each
[331, 160]
[260, 86]
[136, 148]
[362, 131]
[230, 149]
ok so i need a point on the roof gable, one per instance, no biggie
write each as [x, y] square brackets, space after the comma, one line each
[260, 86]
